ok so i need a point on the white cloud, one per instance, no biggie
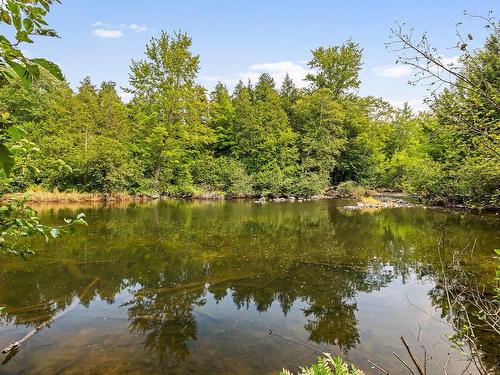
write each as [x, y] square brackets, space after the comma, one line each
[451, 62]
[106, 30]
[278, 70]
[392, 71]
[100, 23]
[138, 28]
[223, 79]
[107, 33]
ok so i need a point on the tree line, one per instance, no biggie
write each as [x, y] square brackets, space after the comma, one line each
[176, 138]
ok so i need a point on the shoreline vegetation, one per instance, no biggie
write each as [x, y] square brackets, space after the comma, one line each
[176, 138]
[364, 198]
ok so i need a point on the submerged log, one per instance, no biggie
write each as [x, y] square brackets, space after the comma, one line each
[35, 307]
[193, 286]
[13, 347]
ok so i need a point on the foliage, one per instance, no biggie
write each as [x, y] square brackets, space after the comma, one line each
[19, 221]
[173, 138]
[327, 365]
[18, 153]
[463, 138]
[337, 68]
[350, 189]
[168, 107]
[222, 174]
[27, 17]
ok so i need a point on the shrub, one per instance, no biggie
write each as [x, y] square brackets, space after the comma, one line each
[350, 188]
[222, 174]
[327, 365]
[309, 184]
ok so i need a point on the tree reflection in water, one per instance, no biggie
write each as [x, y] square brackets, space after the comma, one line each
[173, 256]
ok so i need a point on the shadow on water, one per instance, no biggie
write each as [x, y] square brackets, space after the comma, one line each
[199, 286]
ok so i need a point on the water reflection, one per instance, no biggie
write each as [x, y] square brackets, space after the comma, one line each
[161, 263]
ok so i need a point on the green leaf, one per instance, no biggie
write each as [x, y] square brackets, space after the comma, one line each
[51, 67]
[6, 159]
[16, 132]
[28, 25]
[22, 36]
[16, 15]
[55, 232]
[6, 18]
[33, 169]
[21, 71]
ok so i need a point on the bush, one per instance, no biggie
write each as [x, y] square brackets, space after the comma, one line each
[222, 174]
[309, 184]
[106, 167]
[327, 365]
[351, 189]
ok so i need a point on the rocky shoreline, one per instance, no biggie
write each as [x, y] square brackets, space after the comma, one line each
[393, 203]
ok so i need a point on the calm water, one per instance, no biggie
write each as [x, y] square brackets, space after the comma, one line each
[195, 287]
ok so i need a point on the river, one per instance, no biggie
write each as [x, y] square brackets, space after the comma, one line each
[231, 287]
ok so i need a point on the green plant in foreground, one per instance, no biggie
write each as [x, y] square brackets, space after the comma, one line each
[327, 365]
[19, 221]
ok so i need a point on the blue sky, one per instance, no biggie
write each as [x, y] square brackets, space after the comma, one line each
[239, 38]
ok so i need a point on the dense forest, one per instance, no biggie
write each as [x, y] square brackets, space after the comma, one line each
[175, 138]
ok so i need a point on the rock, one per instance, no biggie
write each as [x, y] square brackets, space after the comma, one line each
[389, 203]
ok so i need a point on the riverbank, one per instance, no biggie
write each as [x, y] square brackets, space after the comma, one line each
[71, 197]
[368, 199]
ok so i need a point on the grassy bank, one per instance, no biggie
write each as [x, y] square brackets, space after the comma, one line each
[74, 196]
[44, 196]
[348, 190]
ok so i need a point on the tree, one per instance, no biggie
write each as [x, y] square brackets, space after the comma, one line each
[17, 220]
[264, 140]
[86, 111]
[221, 118]
[466, 104]
[113, 114]
[170, 109]
[318, 121]
[289, 94]
[336, 68]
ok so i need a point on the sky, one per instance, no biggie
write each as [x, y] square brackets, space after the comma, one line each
[239, 39]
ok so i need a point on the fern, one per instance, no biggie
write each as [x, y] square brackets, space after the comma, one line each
[327, 365]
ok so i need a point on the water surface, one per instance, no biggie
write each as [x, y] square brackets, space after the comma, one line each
[235, 287]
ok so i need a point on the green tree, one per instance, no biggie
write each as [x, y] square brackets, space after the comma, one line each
[17, 220]
[319, 122]
[336, 68]
[86, 111]
[170, 110]
[113, 114]
[465, 140]
[264, 140]
[27, 17]
[289, 94]
[221, 118]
